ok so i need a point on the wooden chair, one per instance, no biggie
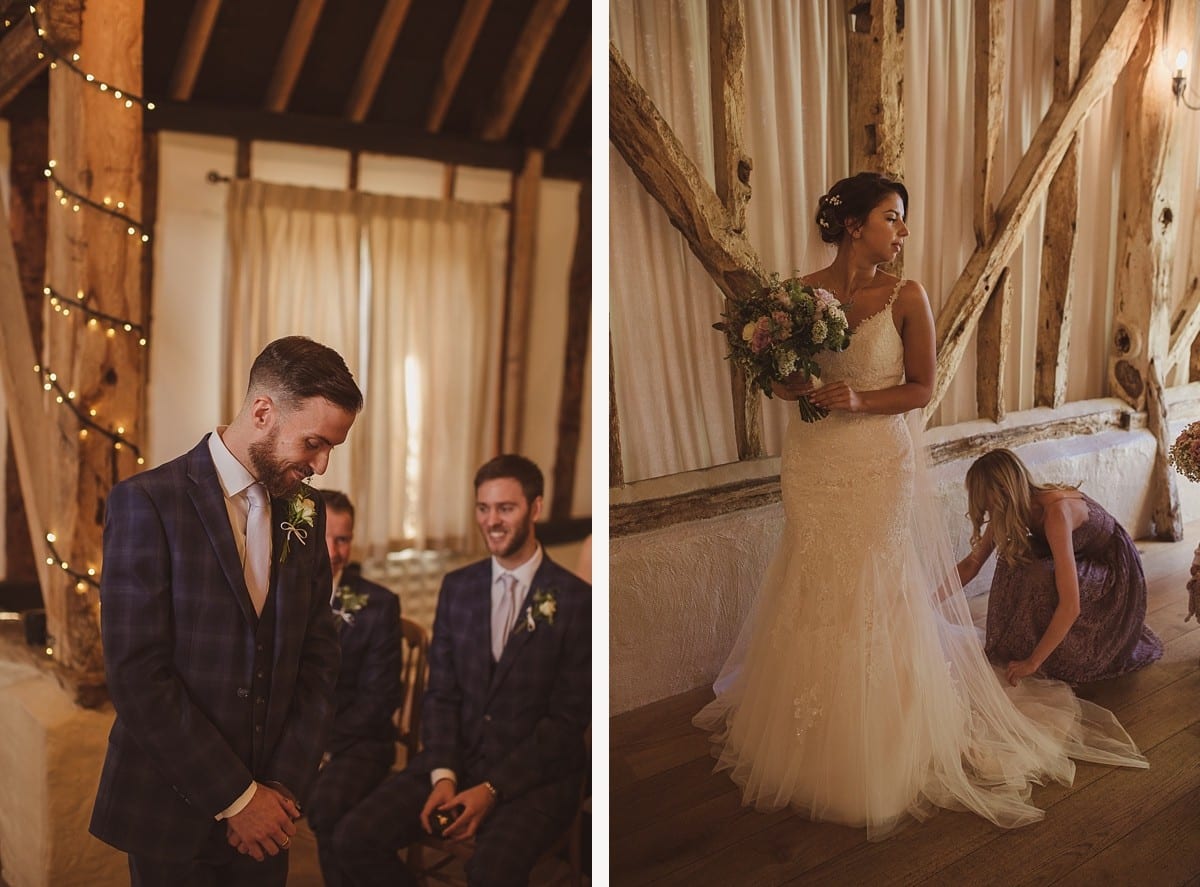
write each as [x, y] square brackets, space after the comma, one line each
[414, 667]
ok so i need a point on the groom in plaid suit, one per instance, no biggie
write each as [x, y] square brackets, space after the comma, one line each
[220, 648]
[506, 709]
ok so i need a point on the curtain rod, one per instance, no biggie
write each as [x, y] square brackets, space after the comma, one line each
[215, 178]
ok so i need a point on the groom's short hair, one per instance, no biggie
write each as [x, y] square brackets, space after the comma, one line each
[523, 471]
[295, 369]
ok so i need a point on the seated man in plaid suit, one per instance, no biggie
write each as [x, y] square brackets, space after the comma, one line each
[505, 713]
[362, 748]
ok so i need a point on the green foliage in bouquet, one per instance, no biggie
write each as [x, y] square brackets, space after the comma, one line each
[779, 330]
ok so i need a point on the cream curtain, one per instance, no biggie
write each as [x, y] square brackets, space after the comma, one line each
[672, 386]
[437, 299]
[410, 291]
[294, 269]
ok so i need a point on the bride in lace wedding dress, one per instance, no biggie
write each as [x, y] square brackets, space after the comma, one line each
[858, 691]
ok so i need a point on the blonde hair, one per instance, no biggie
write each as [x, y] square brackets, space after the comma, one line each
[1000, 492]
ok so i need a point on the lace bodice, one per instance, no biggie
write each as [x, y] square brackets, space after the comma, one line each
[875, 358]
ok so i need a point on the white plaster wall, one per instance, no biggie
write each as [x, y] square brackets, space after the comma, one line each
[50, 762]
[678, 596]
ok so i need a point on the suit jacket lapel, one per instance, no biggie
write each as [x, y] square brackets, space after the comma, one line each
[209, 499]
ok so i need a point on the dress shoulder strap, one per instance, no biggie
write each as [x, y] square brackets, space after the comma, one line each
[895, 292]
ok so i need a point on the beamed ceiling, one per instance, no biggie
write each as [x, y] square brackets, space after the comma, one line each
[476, 82]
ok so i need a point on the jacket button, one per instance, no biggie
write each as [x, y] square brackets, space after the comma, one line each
[243, 693]
[487, 718]
[258, 728]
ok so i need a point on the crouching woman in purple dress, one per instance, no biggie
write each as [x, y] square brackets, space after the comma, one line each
[1068, 598]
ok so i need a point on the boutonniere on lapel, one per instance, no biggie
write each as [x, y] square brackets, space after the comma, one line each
[348, 603]
[302, 512]
[542, 608]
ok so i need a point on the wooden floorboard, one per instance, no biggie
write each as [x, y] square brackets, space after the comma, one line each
[674, 821]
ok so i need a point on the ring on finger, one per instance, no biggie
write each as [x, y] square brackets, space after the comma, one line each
[286, 842]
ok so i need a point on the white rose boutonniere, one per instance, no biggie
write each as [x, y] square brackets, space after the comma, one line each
[347, 603]
[302, 512]
[542, 608]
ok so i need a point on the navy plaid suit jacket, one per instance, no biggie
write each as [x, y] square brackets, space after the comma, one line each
[179, 646]
[368, 685]
[520, 722]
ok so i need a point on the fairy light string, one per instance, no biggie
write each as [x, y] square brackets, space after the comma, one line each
[68, 196]
[87, 419]
[95, 318]
[123, 96]
[82, 580]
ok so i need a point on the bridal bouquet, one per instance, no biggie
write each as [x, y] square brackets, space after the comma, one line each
[1185, 452]
[779, 330]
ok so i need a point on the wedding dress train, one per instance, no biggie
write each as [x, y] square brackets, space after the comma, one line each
[858, 691]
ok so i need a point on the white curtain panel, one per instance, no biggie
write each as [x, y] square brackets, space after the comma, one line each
[437, 301]
[294, 269]
[411, 292]
[672, 386]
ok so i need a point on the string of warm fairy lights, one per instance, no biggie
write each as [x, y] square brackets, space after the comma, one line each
[70, 197]
[67, 398]
[75, 200]
[71, 62]
[96, 318]
[82, 580]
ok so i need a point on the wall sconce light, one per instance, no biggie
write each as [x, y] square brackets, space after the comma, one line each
[1179, 81]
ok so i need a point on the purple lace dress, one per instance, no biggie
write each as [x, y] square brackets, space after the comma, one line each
[1109, 638]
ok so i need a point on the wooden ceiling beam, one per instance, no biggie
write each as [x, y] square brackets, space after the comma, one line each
[518, 74]
[20, 43]
[462, 44]
[570, 97]
[291, 58]
[195, 45]
[362, 96]
[303, 129]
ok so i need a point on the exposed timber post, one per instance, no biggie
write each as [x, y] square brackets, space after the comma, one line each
[992, 349]
[875, 90]
[727, 54]
[1059, 236]
[96, 144]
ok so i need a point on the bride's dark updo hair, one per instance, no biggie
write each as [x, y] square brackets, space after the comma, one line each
[851, 200]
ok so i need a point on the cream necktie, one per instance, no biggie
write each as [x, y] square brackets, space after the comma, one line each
[504, 615]
[257, 565]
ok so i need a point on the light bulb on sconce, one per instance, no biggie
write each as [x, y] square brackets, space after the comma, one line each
[1179, 81]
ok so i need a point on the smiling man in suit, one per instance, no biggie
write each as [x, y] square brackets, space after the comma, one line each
[506, 709]
[220, 649]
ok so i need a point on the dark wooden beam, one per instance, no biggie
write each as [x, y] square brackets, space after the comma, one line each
[291, 57]
[518, 74]
[570, 404]
[375, 62]
[570, 97]
[195, 45]
[616, 469]
[458, 53]
[367, 137]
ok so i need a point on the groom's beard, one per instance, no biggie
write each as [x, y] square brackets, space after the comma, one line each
[272, 473]
[520, 535]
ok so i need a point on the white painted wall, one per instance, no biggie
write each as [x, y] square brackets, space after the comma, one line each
[678, 596]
